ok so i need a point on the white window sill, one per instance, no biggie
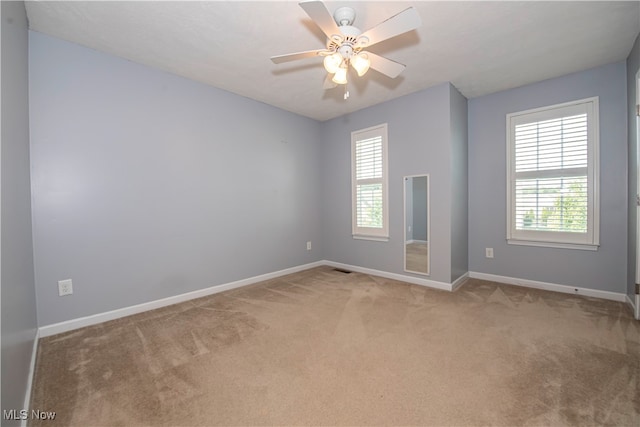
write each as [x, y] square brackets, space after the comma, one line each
[373, 238]
[579, 246]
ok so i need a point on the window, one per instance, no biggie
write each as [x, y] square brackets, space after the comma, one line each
[553, 176]
[369, 183]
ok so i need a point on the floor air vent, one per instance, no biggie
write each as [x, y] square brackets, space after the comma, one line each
[340, 270]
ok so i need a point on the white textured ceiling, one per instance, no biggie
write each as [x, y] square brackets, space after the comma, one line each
[481, 47]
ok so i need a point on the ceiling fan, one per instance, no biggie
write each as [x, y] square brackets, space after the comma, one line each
[346, 44]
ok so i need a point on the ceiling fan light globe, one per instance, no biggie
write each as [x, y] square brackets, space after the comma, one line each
[361, 64]
[340, 77]
[332, 63]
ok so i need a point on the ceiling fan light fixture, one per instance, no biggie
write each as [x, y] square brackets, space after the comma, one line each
[332, 62]
[361, 63]
[340, 77]
[345, 42]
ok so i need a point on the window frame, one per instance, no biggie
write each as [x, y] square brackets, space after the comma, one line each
[371, 233]
[570, 240]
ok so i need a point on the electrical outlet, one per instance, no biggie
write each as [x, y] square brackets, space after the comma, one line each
[488, 252]
[309, 245]
[65, 287]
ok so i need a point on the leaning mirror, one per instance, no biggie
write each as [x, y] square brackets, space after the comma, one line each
[416, 224]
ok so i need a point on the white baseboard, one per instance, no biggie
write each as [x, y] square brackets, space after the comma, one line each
[69, 325]
[395, 276]
[614, 296]
[634, 303]
[631, 304]
[32, 371]
[459, 281]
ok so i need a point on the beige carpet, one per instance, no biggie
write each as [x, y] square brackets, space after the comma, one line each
[324, 347]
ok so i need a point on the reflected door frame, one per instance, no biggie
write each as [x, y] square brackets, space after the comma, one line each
[637, 201]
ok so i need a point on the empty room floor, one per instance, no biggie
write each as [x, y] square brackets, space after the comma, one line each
[325, 347]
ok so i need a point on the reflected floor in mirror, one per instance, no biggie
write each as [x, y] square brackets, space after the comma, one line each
[417, 257]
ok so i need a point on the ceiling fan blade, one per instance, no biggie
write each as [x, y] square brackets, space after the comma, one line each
[329, 83]
[405, 21]
[279, 59]
[385, 66]
[322, 17]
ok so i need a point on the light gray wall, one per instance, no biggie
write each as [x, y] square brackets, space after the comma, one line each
[147, 185]
[18, 291]
[633, 65]
[419, 208]
[459, 185]
[418, 130]
[605, 269]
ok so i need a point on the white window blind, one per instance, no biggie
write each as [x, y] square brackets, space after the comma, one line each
[552, 175]
[369, 182]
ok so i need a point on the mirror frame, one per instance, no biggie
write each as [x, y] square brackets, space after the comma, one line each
[404, 234]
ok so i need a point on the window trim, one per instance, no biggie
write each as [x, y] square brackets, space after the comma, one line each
[583, 241]
[369, 233]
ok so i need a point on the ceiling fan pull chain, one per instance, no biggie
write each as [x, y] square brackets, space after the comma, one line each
[346, 92]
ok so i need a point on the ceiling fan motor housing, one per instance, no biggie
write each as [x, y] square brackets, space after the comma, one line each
[348, 43]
